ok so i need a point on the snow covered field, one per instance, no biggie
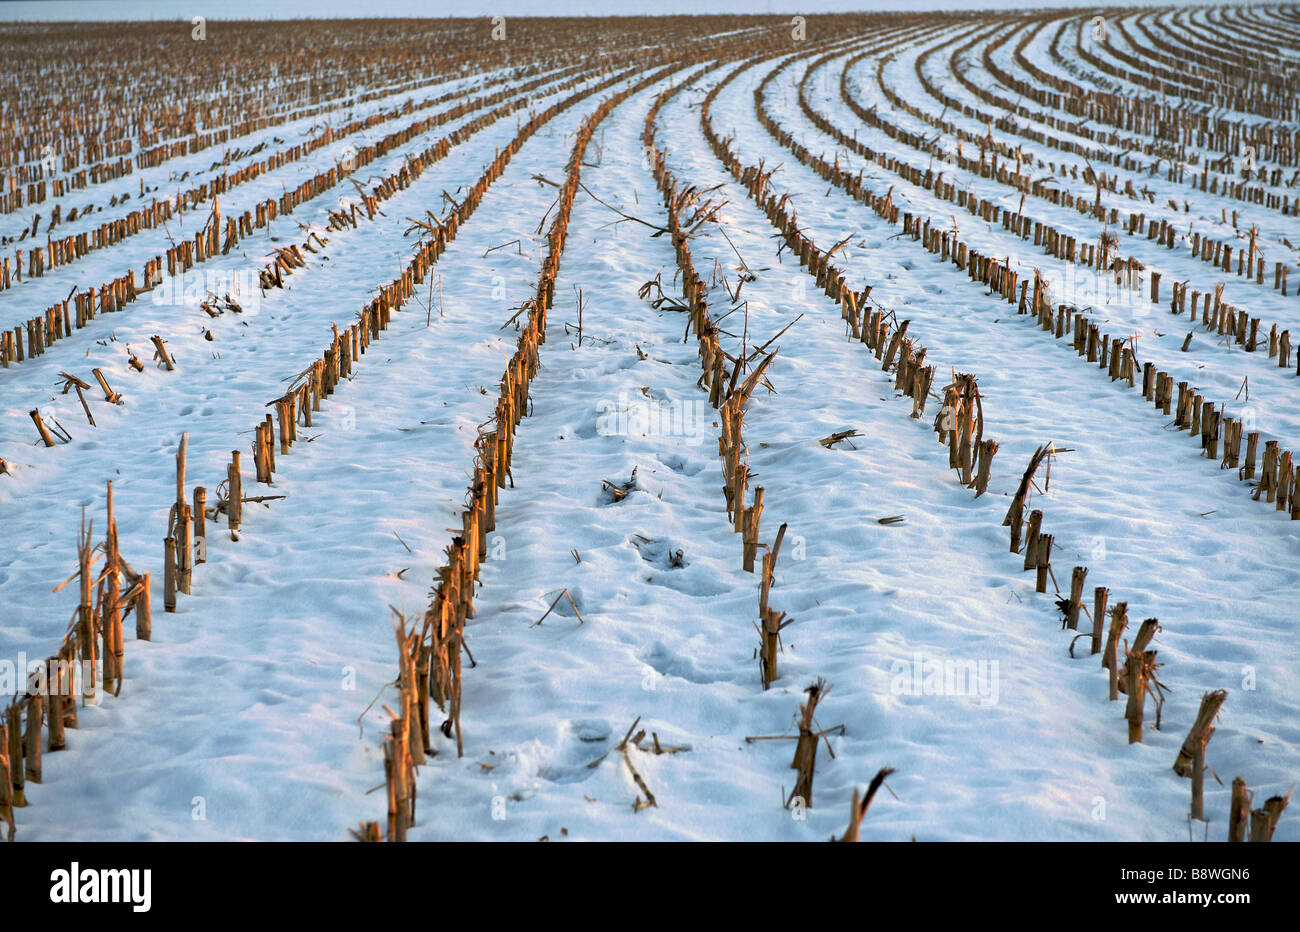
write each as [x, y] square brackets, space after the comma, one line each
[612, 589]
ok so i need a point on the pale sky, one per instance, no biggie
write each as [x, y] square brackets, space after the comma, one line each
[289, 9]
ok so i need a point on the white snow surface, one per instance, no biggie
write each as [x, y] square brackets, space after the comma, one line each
[255, 712]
